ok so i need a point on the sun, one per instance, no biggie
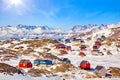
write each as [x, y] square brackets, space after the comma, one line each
[15, 2]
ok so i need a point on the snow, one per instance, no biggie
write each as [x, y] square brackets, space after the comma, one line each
[105, 60]
[21, 77]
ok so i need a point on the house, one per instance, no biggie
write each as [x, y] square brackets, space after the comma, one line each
[97, 53]
[24, 63]
[100, 71]
[82, 41]
[95, 48]
[67, 40]
[82, 54]
[100, 53]
[21, 47]
[66, 60]
[98, 43]
[85, 65]
[58, 46]
[63, 52]
[103, 37]
[42, 62]
[17, 49]
[46, 49]
[99, 39]
[82, 47]
[68, 48]
[55, 41]
[76, 40]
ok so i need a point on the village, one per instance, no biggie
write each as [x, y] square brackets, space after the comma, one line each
[68, 57]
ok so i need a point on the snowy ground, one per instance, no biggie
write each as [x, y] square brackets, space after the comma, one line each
[105, 60]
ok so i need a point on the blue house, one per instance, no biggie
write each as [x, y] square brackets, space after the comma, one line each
[66, 60]
[67, 40]
[42, 62]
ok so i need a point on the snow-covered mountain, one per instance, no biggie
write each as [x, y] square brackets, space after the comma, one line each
[23, 30]
[105, 37]
[92, 28]
[20, 30]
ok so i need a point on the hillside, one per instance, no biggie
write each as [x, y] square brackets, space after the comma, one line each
[61, 58]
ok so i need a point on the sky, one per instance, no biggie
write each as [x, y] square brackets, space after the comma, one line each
[59, 13]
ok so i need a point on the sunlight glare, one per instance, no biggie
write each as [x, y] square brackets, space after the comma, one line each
[16, 2]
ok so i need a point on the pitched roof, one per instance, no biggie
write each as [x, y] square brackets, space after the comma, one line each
[24, 61]
[99, 67]
[84, 62]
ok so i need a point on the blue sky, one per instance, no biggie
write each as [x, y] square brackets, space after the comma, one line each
[60, 13]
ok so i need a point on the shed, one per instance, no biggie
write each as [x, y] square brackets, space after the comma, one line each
[85, 64]
[100, 70]
[82, 54]
[42, 62]
[24, 63]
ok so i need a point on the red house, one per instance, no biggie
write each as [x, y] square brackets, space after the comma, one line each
[98, 43]
[82, 54]
[21, 47]
[63, 52]
[85, 64]
[58, 46]
[25, 64]
[68, 48]
[82, 47]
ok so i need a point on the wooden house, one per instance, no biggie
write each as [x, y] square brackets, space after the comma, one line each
[76, 39]
[95, 48]
[21, 47]
[103, 38]
[67, 40]
[100, 70]
[68, 48]
[46, 49]
[58, 46]
[55, 41]
[82, 54]
[42, 62]
[98, 43]
[25, 64]
[82, 47]
[62, 52]
[66, 60]
[84, 64]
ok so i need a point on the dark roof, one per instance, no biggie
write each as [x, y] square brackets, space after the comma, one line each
[68, 46]
[95, 46]
[61, 44]
[84, 62]
[99, 67]
[82, 53]
[24, 61]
